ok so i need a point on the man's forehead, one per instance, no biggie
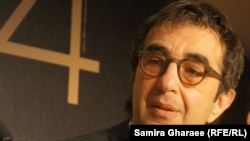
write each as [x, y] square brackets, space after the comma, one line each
[166, 52]
[212, 49]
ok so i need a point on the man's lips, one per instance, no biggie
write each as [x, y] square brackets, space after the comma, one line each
[164, 110]
[164, 106]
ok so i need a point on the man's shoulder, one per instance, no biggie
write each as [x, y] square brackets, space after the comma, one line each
[118, 132]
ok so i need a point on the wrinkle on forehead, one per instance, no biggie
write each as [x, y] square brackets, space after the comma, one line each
[172, 26]
[169, 28]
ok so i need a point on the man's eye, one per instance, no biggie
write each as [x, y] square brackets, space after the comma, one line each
[155, 62]
[193, 72]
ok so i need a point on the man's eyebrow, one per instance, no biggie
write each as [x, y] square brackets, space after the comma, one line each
[194, 56]
[156, 47]
[197, 57]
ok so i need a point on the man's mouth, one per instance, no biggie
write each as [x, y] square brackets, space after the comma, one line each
[164, 106]
[164, 110]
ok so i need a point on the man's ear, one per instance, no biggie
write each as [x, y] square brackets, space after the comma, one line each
[222, 103]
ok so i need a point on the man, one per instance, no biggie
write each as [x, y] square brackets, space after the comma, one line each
[187, 61]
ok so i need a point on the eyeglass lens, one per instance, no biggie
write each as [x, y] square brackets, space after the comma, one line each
[155, 63]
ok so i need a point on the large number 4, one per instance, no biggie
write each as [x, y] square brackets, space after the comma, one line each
[73, 60]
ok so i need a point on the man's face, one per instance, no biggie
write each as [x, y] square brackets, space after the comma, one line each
[165, 99]
[248, 118]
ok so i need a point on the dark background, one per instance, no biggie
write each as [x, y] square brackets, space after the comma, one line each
[33, 94]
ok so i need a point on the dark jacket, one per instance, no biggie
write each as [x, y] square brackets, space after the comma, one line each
[119, 132]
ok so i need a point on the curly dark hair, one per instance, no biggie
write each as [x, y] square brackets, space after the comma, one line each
[202, 14]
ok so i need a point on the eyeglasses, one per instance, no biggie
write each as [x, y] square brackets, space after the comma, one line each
[190, 71]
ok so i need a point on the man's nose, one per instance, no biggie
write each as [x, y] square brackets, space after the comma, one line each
[169, 80]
